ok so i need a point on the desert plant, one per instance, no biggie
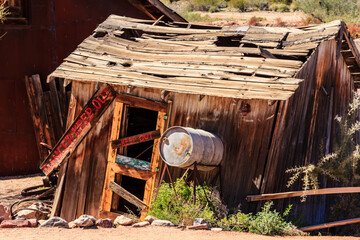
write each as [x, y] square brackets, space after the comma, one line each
[3, 12]
[205, 5]
[329, 10]
[342, 164]
[241, 5]
[180, 208]
[266, 222]
[279, 7]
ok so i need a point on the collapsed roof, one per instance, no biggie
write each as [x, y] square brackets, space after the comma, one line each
[237, 62]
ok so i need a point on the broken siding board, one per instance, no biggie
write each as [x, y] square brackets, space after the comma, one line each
[38, 112]
[111, 156]
[56, 207]
[127, 195]
[98, 162]
[79, 129]
[82, 93]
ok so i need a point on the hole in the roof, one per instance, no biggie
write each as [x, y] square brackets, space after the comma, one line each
[100, 34]
[127, 64]
[111, 64]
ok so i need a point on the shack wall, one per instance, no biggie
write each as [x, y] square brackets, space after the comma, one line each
[259, 145]
[306, 126]
[53, 31]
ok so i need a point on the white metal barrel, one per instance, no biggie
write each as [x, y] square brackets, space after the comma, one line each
[183, 146]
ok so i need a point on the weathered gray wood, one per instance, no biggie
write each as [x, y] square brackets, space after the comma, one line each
[330, 224]
[127, 195]
[270, 196]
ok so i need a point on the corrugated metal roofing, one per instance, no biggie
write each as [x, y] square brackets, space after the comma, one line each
[260, 63]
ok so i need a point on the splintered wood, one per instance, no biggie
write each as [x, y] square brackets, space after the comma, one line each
[78, 130]
[224, 62]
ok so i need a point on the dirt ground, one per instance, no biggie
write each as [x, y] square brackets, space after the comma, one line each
[10, 188]
[265, 18]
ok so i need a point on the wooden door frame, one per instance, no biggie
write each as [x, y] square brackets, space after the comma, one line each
[113, 168]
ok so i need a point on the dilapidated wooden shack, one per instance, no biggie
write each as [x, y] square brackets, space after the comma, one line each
[36, 37]
[269, 93]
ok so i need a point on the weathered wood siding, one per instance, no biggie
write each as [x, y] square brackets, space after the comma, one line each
[305, 123]
[86, 167]
[259, 146]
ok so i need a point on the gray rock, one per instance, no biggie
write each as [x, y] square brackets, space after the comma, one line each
[198, 227]
[72, 224]
[162, 223]
[150, 218]
[200, 221]
[141, 224]
[41, 212]
[105, 223]
[85, 221]
[55, 222]
[41, 221]
[5, 212]
[216, 229]
[123, 221]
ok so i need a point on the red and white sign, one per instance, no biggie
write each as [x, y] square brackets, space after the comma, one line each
[88, 117]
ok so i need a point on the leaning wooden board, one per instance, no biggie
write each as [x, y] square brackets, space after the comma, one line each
[87, 118]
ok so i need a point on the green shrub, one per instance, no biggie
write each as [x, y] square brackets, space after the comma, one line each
[343, 164]
[265, 222]
[329, 10]
[180, 209]
[196, 17]
[279, 7]
[241, 5]
[205, 5]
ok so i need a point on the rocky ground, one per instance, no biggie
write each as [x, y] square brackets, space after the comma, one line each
[10, 188]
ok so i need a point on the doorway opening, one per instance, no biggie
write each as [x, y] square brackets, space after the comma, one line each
[136, 121]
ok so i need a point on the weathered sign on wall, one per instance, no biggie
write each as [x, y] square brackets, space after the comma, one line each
[144, 137]
[87, 118]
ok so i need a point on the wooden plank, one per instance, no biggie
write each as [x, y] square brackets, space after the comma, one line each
[110, 173]
[127, 195]
[154, 167]
[219, 92]
[330, 224]
[131, 172]
[38, 113]
[56, 207]
[268, 196]
[139, 102]
[144, 137]
[57, 116]
[79, 129]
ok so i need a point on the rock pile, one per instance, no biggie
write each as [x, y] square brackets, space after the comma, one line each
[31, 218]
